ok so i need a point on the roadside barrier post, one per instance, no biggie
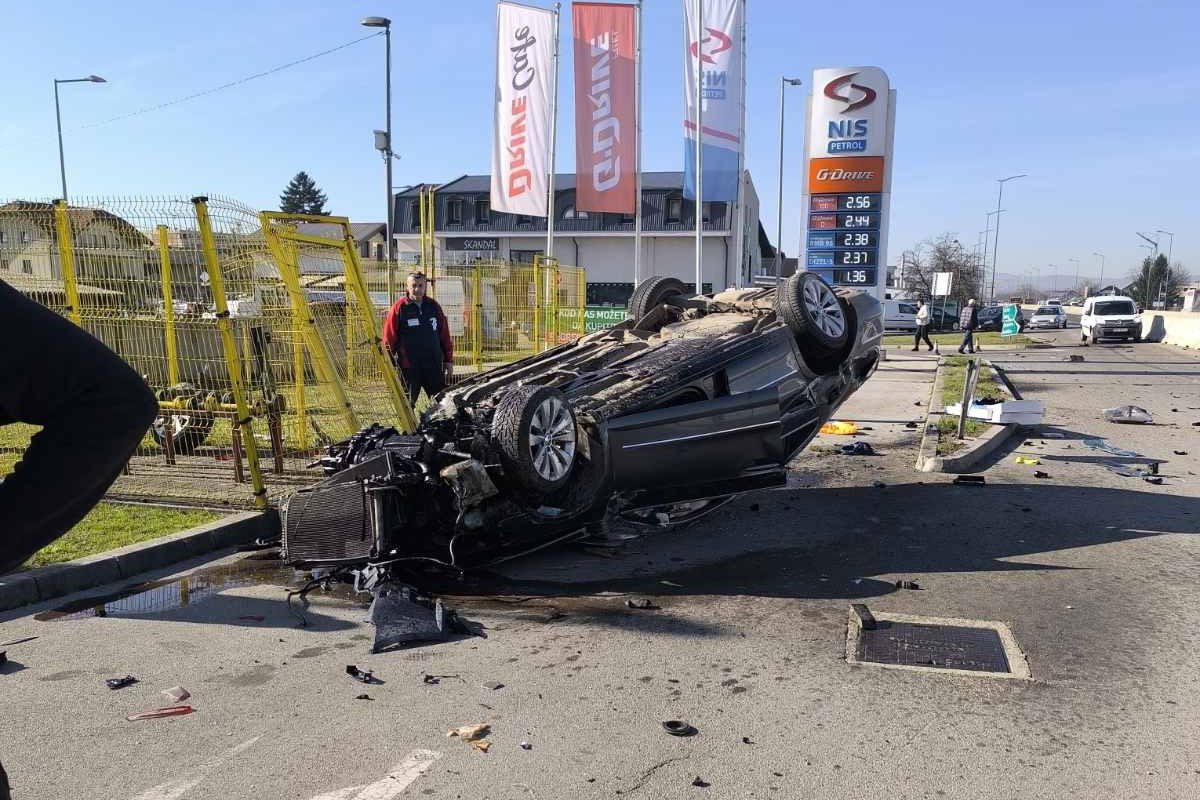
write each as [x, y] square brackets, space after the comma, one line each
[66, 260]
[164, 265]
[243, 424]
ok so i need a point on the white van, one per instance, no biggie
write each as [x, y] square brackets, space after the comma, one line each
[900, 315]
[1110, 317]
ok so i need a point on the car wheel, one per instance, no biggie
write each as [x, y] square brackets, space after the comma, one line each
[534, 429]
[652, 293]
[815, 315]
[188, 431]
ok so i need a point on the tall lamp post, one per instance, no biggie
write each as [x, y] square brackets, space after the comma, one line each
[1101, 281]
[783, 84]
[1076, 260]
[62, 167]
[1167, 277]
[996, 238]
[1170, 246]
[384, 145]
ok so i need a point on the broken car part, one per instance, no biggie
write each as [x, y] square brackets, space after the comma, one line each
[157, 713]
[1128, 415]
[364, 675]
[677, 727]
[120, 683]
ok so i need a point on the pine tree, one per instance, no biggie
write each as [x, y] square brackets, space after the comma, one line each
[302, 196]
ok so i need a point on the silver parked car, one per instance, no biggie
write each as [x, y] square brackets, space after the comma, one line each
[1049, 316]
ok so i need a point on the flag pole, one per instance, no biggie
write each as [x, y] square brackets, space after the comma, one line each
[739, 227]
[637, 181]
[699, 199]
[553, 141]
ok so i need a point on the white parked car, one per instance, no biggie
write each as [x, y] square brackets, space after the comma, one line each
[1048, 316]
[900, 315]
[1110, 317]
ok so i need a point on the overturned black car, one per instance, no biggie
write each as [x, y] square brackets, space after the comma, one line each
[658, 420]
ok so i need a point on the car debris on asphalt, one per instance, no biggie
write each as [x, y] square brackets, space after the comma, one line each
[857, 449]
[835, 428]
[1128, 415]
[176, 694]
[525, 746]
[700, 782]
[1103, 446]
[120, 683]
[434, 680]
[677, 727]
[913, 585]
[363, 697]
[470, 733]
[158, 713]
[363, 675]
[969, 480]
[1033, 462]
[495, 686]
[643, 603]
[1037, 473]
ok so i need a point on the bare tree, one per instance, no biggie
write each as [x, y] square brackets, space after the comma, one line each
[943, 253]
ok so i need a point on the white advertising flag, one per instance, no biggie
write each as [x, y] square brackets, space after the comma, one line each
[524, 62]
[719, 52]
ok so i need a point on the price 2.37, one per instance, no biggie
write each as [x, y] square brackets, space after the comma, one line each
[856, 258]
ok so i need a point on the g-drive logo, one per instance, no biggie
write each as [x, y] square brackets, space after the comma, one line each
[848, 135]
[714, 81]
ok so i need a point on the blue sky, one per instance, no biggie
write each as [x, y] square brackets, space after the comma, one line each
[1096, 101]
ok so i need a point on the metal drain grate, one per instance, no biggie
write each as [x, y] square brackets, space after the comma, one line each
[901, 641]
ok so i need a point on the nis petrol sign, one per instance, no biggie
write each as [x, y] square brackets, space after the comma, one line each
[849, 112]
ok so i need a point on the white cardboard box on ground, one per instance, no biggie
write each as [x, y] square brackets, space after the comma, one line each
[1018, 412]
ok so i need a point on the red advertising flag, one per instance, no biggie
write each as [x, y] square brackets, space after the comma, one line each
[605, 106]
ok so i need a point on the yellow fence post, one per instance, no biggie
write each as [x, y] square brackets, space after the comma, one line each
[164, 265]
[537, 304]
[66, 260]
[477, 319]
[354, 280]
[554, 304]
[289, 271]
[232, 362]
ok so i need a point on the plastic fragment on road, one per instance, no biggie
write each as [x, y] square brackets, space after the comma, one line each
[857, 449]
[1037, 473]
[469, 733]
[158, 713]
[481, 745]
[1104, 446]
[363, 675]
[677, 727]
[644, 603]
[1032, 462]
[526, 746]
[700, 782]
[1007, 412]
[1154, 479]
[970, 480]
[120, 683]
[176, 694]
[672, 583]
[839, 428]
[1128, 415]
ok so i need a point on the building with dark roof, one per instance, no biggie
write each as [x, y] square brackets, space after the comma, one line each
[466, 228]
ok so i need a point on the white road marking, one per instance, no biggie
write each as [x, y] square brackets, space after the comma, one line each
[391, 785]
[173, 790]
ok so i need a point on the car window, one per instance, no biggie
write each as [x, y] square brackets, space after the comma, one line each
[1110, 308]
[907, 308]
[1047, 310]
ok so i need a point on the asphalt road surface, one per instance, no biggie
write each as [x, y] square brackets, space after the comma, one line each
[1094, 572]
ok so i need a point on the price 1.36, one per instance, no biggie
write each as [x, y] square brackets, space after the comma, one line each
[854, 277]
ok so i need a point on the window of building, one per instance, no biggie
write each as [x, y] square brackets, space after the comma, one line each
[26, 266]
[524, 220]
[379, 251]
[570, 212]
[414, 213]
[454, 212]
[674, 210]
[708, 209]
[26, 237]
[483, 212]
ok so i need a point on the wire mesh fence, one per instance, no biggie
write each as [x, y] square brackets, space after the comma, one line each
[261, 344]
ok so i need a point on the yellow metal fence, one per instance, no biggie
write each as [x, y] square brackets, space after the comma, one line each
[262, 343]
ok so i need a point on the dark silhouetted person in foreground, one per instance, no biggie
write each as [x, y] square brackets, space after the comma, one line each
[93, 409]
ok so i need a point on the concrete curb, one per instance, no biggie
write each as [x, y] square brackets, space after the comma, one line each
[45, 583]
[967, 459]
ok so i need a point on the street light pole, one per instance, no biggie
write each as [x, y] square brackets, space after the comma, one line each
[996, 239]
[1076, 260]
[62, 165]
[386, 24]
[1170, 247]
[783, 84]
[1101, 281]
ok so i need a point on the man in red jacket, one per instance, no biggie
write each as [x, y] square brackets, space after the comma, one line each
[417, 335]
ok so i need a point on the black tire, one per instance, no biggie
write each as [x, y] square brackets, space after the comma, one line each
[189, 430]
[535, 466]
[816, 316]
[651, 293]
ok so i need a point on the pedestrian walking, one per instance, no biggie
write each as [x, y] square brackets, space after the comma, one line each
[922, 326]
[417, 335]
[968, 320]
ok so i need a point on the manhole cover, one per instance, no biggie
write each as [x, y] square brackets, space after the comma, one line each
[902, 641]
